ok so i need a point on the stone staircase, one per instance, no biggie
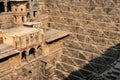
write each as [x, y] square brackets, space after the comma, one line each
[112, 73]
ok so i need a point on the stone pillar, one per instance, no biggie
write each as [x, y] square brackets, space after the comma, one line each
[14, 42]
[27, 55]
[30, 6]
[36, 52]
[31, 14]
[20, 55]
[25, 19]
[20, 20]
[17, 19]
[5, 6]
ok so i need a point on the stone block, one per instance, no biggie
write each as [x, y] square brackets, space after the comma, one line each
[89, 47]
[68, 68]
[81, 38]
[67, 60]
[72, 77]
[60, 75]
[80, 63]
[94, 32]
[99, 41]
[89, 55]
[95, 68]
[59, 66]
[73, 44]
[75, 53]
[112, 35]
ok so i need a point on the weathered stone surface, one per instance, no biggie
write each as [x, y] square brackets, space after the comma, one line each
[94, 27]
[65, 67]
[91, 48]
[60, 75]
[74, 53]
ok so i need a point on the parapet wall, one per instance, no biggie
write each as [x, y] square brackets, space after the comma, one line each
[94, 41]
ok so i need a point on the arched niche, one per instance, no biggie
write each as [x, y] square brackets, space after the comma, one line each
[23, 56]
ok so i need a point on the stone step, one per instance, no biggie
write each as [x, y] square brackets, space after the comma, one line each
[117, 66]
[118, 60]
[110, 72]
[116, 72]
[113, 75]
[5, 72]
[110, 77]
[105, 78]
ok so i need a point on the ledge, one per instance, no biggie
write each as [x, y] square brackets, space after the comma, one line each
[52, 35]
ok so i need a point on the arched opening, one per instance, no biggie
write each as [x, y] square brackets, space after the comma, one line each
[2, 7]
[9, 6]
[34, 13]
[48, 24]
[32, 53]
[15, 9]
[24, 58]
[21, 9]
[28, 16]
[22, 18]
[39, 52]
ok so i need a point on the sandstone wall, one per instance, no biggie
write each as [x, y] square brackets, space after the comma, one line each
[94, 41]
[6, 20]
[39, 68]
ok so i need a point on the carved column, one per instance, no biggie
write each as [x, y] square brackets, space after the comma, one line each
[30, 6]
[25, 19]
[17, 19]
[5, 6]
[20, 20]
